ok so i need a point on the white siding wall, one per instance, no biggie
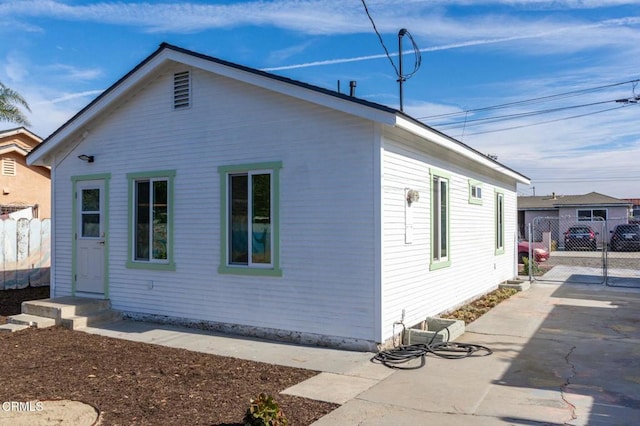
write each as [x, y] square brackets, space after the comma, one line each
[408, 284]
[327, 211]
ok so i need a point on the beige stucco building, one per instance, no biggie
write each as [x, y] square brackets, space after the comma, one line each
[22, 186]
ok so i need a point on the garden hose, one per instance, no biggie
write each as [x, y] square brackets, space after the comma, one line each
[393, 358]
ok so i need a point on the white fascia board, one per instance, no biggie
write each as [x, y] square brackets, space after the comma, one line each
[94, 109]
[285, 88]
[466, 152]
[13, 148]
[19, 131]
[246, 76]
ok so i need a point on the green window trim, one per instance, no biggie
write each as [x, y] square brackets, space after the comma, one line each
[438, 243]
[273, 269]
[499, 222]
[158, 265]
[475, 192]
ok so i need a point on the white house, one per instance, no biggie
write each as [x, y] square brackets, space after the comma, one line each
[199, 191]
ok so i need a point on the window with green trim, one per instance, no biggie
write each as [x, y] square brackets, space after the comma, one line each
[499, 223]
[250, 218]
[440, 206]
[475, 192]
[151, 219]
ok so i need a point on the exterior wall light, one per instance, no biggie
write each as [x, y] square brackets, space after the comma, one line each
[87, 158]
[412, 196]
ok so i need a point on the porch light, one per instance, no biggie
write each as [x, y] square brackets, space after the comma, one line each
[412, 196]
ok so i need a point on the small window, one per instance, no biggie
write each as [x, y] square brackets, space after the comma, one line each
[151, 220]
[250, 219]
[440, 207]
[182, 90]
[588, 215]
[475, 192]
[499, 223]
[8, 166]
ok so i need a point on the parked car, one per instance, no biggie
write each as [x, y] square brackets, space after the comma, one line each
[540, 254]
[580, 237]
[625, 237]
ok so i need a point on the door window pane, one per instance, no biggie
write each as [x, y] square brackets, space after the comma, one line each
[91, 200]
[90, 225]
[90, 213]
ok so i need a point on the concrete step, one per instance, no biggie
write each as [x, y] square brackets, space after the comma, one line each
[81, 321]
[31, 321]
[64, 307]
[10, 328]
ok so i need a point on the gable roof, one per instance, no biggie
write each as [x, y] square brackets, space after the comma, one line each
[19, 140]
[552, 202]
[304, 91]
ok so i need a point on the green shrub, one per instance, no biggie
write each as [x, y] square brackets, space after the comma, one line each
[264, 411]
[535, 269]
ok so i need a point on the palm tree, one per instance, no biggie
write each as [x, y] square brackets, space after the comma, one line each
[10, 103]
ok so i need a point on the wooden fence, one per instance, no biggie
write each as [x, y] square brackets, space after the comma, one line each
[25, 253]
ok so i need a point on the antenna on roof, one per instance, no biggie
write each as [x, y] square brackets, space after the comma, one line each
[416, 50]
[401, 78]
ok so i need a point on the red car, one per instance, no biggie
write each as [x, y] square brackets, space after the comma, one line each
[540, 254]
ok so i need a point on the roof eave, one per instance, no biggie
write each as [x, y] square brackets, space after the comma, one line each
[166, 52]
[420, 129]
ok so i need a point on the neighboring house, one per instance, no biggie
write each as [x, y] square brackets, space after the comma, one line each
[199, 191]
[22, 186]
[635, 208]
[591, 209]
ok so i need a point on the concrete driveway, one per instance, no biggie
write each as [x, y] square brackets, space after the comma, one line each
[563, 354]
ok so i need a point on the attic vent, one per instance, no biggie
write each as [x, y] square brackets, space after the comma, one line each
[181, 90]
[8, 166]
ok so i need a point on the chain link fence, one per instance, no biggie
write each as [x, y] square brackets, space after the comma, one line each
[596, 251]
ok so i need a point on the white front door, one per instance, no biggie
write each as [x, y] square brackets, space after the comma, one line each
[90, 236]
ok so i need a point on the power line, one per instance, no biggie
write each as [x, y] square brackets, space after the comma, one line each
[545, 122]
[386, 51]
[399, 71]
[477, 121]
[532, 100]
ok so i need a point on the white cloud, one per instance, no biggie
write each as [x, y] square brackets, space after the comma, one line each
[15, 68]
[51, 104]
[282, 55]
[70, 72]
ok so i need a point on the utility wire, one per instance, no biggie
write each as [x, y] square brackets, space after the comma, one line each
[545, 122]
[476, 121]
[533, 100]
[416, 49]
[386, 51]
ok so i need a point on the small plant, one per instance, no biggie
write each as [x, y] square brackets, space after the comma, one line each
[264, 411]
[475, 309]
[535, 269]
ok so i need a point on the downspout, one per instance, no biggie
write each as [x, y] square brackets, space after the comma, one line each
[52, 232]
[378, 220]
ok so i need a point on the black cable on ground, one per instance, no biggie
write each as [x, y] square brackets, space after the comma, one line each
[394, 358]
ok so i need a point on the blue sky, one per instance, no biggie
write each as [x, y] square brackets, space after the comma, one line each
[570, 59]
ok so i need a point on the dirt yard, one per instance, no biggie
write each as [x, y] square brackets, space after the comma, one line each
[135, 383]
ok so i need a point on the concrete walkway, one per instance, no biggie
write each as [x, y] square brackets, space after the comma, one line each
[563, 354]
